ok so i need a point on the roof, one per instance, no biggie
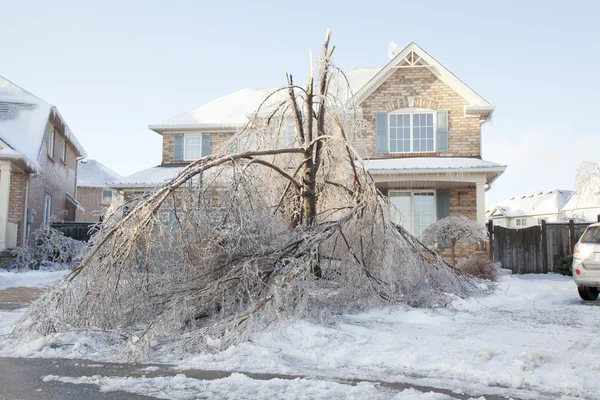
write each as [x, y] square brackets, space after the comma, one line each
[23, 121]
[577, 202]
[148, 178]
[232, 111]
[542, 203]
[91, 173]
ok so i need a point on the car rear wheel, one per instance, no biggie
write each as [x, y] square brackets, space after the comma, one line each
[588, 293]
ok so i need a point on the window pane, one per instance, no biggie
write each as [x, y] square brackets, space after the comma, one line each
[399, 133]
[424, 212]
[422, 131]
[400, 209]
[591, 235]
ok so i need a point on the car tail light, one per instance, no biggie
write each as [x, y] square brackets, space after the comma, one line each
[576, 253]
[577, 272]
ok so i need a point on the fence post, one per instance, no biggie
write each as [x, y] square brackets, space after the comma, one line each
[491, 235]
[544, 248]
[571, 235]
[598, 217]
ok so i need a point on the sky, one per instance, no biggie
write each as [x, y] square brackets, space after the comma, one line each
[114, 67]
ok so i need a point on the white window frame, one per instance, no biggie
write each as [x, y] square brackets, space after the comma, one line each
[411, 112]
[411, 228]
[520, 222]
[191, 135]
[51, 139]
[112, 195]
[47, 208]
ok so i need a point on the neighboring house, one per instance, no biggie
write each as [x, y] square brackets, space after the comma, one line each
[38, 165]
[529, 210]
[92, 190]
[422, 141]
[582, 208]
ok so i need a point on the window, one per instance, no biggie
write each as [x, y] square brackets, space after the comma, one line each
[51, 142]
[289, 135]
[195, 147]
[63, 151]
[107, 196]
[591, 235]
[415, 211]
[47, 208]
[412, 132]
[521, 222]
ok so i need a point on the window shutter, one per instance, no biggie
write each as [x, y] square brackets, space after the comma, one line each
[442, 131]
[178, 149]
[381, 130]
[205, 146]
[443, 209]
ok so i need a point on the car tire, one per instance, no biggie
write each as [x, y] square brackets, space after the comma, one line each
[588, 293]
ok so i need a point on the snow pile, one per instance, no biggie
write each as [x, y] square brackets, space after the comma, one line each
[240, 386]
[28, 278]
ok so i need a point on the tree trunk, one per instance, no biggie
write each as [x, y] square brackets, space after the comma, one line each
[453, 248]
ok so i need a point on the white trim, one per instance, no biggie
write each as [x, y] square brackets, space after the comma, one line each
[411, 229]
[412, 112]
[47, 210]
[50, 143]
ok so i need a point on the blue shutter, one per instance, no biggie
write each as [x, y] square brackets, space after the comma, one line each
[205, 145]
[443, 209]
[178, 149]
[381, 131]
[442, 131]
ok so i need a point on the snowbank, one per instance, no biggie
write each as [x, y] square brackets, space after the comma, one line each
[29, 278]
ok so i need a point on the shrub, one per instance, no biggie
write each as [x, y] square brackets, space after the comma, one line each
[455, 230]
[479, 267]
[566, 265]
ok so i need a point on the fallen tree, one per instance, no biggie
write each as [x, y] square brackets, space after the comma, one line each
[298, 230]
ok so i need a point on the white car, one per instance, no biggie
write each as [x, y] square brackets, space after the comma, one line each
[586, 263]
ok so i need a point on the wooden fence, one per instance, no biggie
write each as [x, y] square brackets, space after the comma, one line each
[76, 230]
[536, 249]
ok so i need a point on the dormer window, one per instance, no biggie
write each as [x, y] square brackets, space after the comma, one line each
[412, 131]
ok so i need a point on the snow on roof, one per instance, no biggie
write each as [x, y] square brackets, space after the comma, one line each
[23, 120]
[233, 110]
[148, 178]
[542, 203]
[91, 173]
[429, 164]
[577, 202]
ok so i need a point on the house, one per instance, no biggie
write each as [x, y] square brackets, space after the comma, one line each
[421, 143]
[38, 165]
[528, 210]
[92, 191]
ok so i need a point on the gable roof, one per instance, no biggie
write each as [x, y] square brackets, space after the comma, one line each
[414, 56]
[542, 203]
[91, 173]
[23, 121]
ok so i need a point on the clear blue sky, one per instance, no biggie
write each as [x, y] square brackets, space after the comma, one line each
[114, 67]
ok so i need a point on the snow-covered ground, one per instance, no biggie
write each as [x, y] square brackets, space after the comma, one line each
[29, 278]
[532, 338]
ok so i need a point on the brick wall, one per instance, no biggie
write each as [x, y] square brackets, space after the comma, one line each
[16, 202]
[217, 143]
[91, 200]
[431, 93]
[57, 178]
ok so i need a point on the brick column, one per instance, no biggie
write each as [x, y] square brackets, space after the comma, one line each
[5, 170]
[480, 200]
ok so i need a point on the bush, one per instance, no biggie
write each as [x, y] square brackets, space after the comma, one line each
[479, 267]
[566, 266]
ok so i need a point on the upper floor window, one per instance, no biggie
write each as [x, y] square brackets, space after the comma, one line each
[195, 147]
[50, 145]
[63, 151]
[412, 131]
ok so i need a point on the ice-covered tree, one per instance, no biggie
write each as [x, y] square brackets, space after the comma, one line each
[455, 230]
[290, 225]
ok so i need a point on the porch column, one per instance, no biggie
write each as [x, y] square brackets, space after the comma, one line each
[480, 200]
[4, 197]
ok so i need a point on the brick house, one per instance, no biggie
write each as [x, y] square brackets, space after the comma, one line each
[422, 142]
[92, 191]
[38, 165]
